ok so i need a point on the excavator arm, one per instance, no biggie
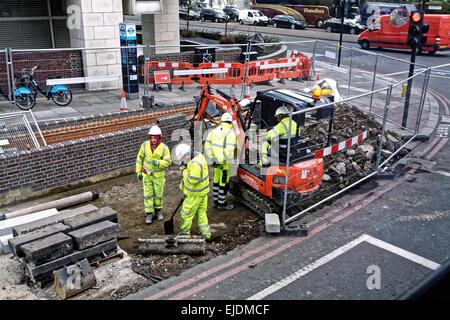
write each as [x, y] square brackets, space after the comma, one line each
[225, 103]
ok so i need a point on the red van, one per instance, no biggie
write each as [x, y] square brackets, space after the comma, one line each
[387, 35]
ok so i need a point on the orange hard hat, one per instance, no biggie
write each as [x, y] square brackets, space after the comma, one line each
[316, 94]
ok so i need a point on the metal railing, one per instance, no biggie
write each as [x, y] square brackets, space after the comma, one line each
[379, 163]
[18, 133]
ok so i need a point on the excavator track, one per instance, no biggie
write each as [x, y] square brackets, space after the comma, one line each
[252, 199]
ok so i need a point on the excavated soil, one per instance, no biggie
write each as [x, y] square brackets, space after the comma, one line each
[125, 195]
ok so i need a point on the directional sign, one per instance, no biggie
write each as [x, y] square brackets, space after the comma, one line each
[162, 76]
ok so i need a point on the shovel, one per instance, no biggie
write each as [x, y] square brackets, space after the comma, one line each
[168, 225]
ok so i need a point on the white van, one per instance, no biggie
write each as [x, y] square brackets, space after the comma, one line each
[253, 17]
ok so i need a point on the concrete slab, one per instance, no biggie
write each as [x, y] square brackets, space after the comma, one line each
[47, 249]
[64, 214]
[6, 226]
[94, 234]
[16, 242]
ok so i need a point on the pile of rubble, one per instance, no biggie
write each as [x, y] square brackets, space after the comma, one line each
[343, 168]
[48, 244]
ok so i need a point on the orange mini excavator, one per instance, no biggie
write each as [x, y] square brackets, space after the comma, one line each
[262, 189]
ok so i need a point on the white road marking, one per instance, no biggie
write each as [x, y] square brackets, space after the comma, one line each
[442, 173]
[336, 253]
[403, 253]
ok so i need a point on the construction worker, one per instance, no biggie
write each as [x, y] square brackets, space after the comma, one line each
[152, 160]
[280, 131]
[195, 187]
[219, 148]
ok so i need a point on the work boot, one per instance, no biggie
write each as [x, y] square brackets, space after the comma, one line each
[159, 215]
[149, 219]
[225, 206]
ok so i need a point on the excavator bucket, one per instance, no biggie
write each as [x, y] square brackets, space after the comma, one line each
[73, 279]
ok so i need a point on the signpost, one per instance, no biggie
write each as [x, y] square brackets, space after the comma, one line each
[129, 60]
[162, 77]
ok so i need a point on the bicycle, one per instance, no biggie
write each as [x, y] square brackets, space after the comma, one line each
[60, 94]
[24, 97]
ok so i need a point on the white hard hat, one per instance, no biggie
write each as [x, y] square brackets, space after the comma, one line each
[180, 150]
[281, 110]
[226, 117]
[154, 131]
[244, 102]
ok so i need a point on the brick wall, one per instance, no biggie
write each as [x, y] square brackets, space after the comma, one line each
[31, 173]
[59, 131]
[63, 64]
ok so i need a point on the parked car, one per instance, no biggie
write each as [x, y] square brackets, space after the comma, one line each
[282, 21]
[254, 17]
[193, 15]
[233, 12]
[350, 26]
[215, 15]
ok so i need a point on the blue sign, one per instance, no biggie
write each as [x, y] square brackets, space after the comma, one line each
[127, 31]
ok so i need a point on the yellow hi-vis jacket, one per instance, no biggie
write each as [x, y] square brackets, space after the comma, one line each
[281, 130]
[221, 143]
[195, 182]
[145, 156]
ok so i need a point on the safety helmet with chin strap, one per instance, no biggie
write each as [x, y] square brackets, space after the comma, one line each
[155, 132]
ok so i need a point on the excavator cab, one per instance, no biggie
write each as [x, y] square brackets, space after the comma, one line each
[305, 172]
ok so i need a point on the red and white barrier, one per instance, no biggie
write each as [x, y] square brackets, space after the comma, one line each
[335, 148]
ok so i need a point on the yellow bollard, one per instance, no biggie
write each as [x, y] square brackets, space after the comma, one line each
[404, 88]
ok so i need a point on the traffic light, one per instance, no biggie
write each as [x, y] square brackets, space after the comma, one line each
[415, 29]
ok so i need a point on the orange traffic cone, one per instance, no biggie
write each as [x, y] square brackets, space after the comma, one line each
[123, 102]
[317, 78]
[247, 92]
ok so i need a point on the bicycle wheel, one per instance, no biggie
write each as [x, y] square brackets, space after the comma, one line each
[62, 97]
[25, 101]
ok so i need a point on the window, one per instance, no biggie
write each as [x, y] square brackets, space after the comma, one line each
[250, 15]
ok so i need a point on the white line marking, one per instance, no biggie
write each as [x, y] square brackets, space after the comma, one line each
[336, 253]
[403, 253]
[442, 173]
[303, 271]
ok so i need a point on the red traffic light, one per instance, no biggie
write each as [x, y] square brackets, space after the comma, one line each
[416, 17]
